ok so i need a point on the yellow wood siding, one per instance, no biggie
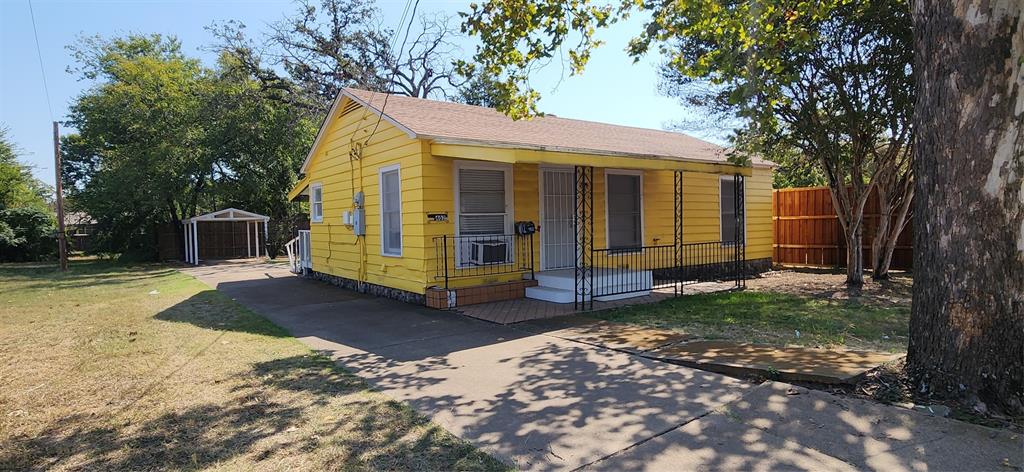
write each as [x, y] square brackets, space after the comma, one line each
[335, 248]
[428, 186]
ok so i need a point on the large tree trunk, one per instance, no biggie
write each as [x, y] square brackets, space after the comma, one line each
[967, 322]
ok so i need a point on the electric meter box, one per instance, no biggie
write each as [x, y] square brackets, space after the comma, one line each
[359, 222]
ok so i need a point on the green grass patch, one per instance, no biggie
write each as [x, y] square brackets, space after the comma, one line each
[140, 367]
[775, 318]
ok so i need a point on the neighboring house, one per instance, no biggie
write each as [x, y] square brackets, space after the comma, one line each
[80, 229]
[424, 203]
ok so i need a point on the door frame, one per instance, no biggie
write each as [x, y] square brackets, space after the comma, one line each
[540, 205]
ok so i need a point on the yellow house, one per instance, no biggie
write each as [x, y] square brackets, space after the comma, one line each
[449, 204]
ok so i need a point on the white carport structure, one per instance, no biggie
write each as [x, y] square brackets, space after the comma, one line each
[230, 215]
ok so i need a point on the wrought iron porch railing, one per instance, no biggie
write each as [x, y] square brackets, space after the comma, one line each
[464, 256]
[670, 266]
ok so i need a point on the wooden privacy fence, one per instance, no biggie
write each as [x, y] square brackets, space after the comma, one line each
[807, 231]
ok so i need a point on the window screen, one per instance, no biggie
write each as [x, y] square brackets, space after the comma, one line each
[391, 212]
[623, 211]
[727, 204]
[481, 201]
[316, 202]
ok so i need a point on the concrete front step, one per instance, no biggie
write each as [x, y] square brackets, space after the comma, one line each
[550, 294]
[605, 280]
[559, 286]
[559, 295]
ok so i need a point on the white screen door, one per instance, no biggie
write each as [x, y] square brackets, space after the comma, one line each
[556, 233]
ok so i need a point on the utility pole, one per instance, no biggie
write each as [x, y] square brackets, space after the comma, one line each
[62, 242]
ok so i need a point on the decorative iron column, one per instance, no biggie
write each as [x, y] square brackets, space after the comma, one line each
[740, 243]
[677, 243]
[583, 225]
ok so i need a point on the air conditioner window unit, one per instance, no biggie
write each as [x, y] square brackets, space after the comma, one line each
[493, 251]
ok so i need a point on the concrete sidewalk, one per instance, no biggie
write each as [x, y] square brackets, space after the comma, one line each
[787, 363]
[542, 402]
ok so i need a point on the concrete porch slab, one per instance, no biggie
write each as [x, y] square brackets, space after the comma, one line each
[621, 337]
[788, 363]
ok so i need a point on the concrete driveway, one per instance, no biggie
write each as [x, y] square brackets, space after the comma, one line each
[541, 402]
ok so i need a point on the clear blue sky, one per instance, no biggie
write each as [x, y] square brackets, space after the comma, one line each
[612, 90]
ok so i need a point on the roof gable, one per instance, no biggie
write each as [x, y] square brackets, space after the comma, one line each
[343, 105]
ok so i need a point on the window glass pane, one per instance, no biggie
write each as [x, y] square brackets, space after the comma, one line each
[393, 234]
[391, 212]
[316, 202]
[727, 210]
[623, 199]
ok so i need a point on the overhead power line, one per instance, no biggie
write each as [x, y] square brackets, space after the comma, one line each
[394, 71]
[39, 53]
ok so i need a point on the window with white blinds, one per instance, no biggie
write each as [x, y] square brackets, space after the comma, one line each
[316, 203]
[482, 205]
[390, 211]
[624, 208]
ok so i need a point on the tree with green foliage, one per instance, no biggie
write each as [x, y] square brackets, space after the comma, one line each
[140, 127]
[27, 224]
[162, 138]
[830, 78]
[481, 89]
[257, 144]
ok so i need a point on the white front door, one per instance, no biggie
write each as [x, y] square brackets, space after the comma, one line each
[556, 230]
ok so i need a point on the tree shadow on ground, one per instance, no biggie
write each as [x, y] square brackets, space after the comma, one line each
[210, 309]
[272, 413]
[548, 404]
[563, 406]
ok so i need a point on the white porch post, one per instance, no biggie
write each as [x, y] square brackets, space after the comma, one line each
[195, 242]
[266, 237]
[256, 227]
[191, 243]
[184, 240]
[248, 240]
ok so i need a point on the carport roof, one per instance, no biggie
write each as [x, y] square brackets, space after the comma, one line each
[228, 214]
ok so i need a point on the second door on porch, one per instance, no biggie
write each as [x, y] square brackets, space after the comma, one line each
[558, 208]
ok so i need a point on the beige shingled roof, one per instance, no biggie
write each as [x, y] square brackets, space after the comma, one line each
[448, 122]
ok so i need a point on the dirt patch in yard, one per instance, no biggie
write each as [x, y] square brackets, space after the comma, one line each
[831, 285]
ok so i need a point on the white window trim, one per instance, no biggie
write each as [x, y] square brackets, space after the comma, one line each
[312, 217]
[607, 226]
[721, 237]
[380, 190]
[510, 210]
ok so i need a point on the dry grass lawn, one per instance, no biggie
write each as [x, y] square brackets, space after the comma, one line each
[139, 368]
